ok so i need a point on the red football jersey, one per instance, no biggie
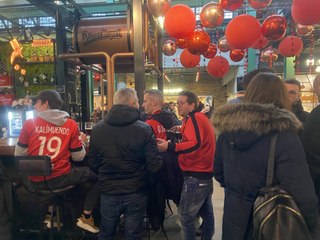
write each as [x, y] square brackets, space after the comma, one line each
[44, 138]
[158, 130]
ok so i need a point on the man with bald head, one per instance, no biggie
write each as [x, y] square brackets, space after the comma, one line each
[311, 139]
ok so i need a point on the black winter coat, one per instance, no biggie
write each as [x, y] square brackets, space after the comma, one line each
[297, 109]
[124, 151]
[311, 140]
[241, 163]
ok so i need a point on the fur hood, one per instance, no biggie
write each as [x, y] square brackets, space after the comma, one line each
[259, 119]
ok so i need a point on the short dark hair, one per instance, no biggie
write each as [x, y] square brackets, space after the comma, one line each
[250, 75]
[52, 96]
[293, 81]
[191, 98]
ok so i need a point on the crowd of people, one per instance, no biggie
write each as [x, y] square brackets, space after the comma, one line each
[130, 160]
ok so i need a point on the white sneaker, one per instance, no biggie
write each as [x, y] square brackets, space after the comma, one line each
[87, 224]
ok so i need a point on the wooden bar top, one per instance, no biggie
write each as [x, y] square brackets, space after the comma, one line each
[7, 146]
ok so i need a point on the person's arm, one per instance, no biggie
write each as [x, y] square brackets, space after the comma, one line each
[218, 162]
[152, 156]
[292, 173]
[77, 147]
[191, 137]
[21, 148]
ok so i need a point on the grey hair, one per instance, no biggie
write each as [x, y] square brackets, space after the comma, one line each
[155, 93]
[125, 96]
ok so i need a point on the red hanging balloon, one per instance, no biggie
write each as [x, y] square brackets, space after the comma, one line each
[304, 30]
[261, 43]
[158, 7]
[290, 46]
[198, 42]
[306, 12]
[182, 43]
[243, 31]
[223, 45]
[218, 67]
[211, 52]
[179, 21]
[169, 48]
[231, 5]
[211, 15]
[237, 55]
[274, 27]
[189, 60]
[258, 4]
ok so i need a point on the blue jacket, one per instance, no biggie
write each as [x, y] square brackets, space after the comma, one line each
[241, 163]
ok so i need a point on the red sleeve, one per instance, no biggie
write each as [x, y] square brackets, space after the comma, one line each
[158, 130]
[25, 134]
[191, 139]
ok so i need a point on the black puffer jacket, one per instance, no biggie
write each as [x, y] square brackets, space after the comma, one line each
[241, 163]
[124, 151]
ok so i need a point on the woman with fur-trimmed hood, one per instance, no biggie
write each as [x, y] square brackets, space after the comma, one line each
[243, 149]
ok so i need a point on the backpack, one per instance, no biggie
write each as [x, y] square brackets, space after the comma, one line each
[276, 216]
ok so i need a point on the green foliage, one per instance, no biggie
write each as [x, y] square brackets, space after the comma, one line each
[32, 90]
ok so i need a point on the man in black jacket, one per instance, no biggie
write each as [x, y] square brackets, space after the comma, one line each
[125, 153]
[311, 142]
[293, 87]
[311, 139]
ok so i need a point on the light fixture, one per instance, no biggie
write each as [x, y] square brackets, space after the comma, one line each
[318, 69]
[160, 21]
[310, 62]
[59, 3]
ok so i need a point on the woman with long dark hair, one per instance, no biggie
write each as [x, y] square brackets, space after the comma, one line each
[242, 154]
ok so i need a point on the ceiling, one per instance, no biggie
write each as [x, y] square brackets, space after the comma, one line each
[13, 10]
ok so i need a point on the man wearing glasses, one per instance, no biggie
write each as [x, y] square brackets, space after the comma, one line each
[196, 154]
[294, 87]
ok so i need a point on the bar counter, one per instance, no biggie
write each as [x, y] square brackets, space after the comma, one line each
[7, 146]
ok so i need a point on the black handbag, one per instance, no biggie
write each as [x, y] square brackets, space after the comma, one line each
[276, 216]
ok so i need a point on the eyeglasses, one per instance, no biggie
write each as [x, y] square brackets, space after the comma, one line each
[180, 103]
[292, 92]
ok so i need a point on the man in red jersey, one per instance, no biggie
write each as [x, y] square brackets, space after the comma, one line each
[54, 133]
[169, 183]
[159, 120]
[196, 153]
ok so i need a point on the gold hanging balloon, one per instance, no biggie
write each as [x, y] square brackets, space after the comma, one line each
[158, 8]
[211, 15]
[304, 30]
[169, 48]
[223, 45]
[269, 55]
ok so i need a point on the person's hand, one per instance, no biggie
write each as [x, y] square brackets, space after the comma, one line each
[83, 137]
[162, 145]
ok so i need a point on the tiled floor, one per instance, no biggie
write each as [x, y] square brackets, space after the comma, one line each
[173, 229]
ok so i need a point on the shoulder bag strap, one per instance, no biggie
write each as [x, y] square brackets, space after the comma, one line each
[271, 160]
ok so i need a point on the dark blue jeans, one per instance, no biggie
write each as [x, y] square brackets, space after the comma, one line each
[132, 206]
[196, 199]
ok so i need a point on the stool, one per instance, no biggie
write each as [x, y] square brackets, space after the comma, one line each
[41, 166]
[57, 199]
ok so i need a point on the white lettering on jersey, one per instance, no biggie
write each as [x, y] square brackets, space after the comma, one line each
[161, 129]
[52, 130]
